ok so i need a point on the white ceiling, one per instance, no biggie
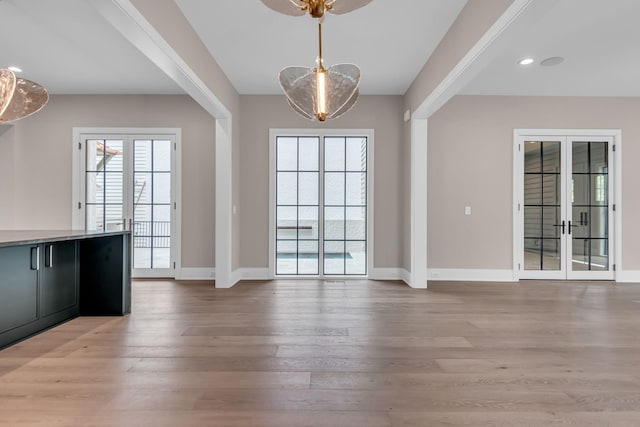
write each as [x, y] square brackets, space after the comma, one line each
[599, 39]
[67, 46]
[390, 40]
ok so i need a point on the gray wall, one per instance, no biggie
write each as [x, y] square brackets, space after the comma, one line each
[470, 164]
[381, 113]
[36, 164]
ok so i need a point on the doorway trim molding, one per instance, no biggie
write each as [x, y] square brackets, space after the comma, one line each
[616, 134]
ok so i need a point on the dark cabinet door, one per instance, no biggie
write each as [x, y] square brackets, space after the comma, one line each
[58, 277]
[105, 276]
[18, 286]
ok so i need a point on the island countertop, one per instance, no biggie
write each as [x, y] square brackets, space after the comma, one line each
[29, 237]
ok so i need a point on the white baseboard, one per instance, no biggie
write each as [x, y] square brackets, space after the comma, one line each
[435, 274]
[390, 274]
[405, 276]
[254, 274]
[196, 274]
[628, 276]
[385, 274]
[470, 275]
[236, 276]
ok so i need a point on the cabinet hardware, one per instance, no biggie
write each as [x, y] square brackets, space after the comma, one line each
[48, 256]
[35, 258]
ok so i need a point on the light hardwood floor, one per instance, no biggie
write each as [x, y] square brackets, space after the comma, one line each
[308, 353]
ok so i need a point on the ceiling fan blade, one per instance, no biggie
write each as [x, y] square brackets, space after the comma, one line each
[287, 7]
[338, 7]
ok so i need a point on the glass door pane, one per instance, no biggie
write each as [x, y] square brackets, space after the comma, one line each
[152, 205]
[567, 208]
[321, 205]
[345, 206]
[543, 224]
[297, 205]
[590, 206]
[128, 185]
[104, 184]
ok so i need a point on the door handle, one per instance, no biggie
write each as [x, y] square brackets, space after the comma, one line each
[35, 258]
[569, 227]
[561, 225]
[48, 256]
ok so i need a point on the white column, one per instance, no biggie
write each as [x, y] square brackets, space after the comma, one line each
[223, 197]
[418, 203]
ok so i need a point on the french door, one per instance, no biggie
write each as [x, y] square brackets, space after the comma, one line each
[128, 183]
[320, 203]
[565, 209]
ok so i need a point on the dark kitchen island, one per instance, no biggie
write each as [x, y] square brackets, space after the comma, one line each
[51, 276]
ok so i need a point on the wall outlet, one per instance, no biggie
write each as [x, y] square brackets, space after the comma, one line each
[467, 210]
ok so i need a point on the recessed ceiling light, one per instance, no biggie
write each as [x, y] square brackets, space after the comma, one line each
[550, 62]
[15, 69]
[526, 61]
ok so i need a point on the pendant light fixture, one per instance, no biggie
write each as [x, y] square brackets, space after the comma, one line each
[315, 8]
[19, 97]
[319, 93]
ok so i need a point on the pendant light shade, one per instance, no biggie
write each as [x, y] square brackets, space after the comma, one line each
[19, 97]
[7, 87]
[318, 93]
[321, 93]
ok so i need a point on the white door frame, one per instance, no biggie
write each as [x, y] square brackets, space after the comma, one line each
[128, 134]
[615, 194]
[321, 134]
